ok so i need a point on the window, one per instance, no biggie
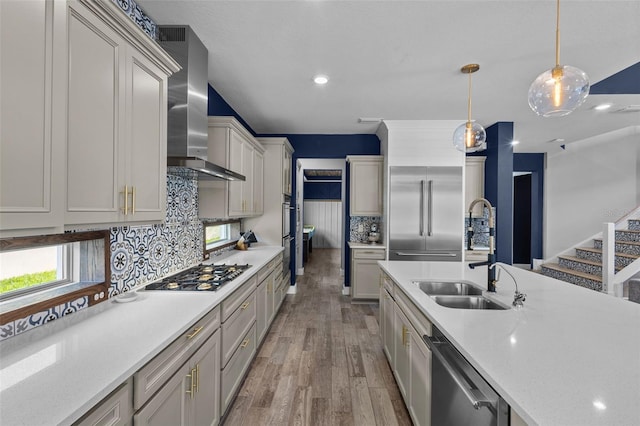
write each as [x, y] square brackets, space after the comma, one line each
[41, 272]
[220, 234]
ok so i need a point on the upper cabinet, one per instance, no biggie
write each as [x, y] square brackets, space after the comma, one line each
[286, 169]
[117, 122]
[474, 184]
[96, 140]
[31, 101]
[232, 146]
[366, 179]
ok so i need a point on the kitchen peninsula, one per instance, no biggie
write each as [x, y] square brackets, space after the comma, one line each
[570, 356]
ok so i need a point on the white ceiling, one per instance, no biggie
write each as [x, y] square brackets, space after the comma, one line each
[401, 60]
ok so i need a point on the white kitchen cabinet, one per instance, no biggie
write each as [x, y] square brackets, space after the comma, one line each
[191, 396]
[386, 322]
[234, 372]
[365, 186]
[269, 278]
[31, 100]
[232, 146]
[276, 186]
[365, 273]
[402, 362]
[116, 122]
[115, 410]
[474, 184]
[420, 383]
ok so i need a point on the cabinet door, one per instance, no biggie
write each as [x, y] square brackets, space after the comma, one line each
[286, 173]
[401, 343]
[30, 196]
[261, 310]
[146, 155]
[115, 410]
[271, 299]
[206, 398]
[170, 405]
[258, 183]
[366, 273]
[474, 184]
[386, 317]
[95, 113]
[236, 144]
[420, 383]
[247, 185]
[366, 188]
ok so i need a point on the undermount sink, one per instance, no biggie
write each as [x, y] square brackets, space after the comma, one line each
[451, 288]
[468, 302]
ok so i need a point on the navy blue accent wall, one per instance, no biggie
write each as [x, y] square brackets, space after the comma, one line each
[218, 106]
[533, 163]
[625, 82]
[498, 185]
[322, 190]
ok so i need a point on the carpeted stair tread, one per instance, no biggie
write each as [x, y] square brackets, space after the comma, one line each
[585, 261]
[599, 251]
[559, 268]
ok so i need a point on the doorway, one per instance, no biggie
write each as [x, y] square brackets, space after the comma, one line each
[522, 203]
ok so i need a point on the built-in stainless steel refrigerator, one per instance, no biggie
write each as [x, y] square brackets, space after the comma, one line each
[426, 218]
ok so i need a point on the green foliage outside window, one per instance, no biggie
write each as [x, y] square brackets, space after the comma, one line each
[26, 280]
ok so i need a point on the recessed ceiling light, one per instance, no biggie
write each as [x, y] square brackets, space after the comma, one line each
[599, 405]
[602, 107]
[515, 142]
[321, 79]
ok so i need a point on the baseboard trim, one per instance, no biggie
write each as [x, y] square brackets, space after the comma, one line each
[300, 271]
[341, 272]
[293, 289]
[346, 291]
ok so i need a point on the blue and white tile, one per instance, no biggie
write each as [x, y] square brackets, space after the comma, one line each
[73, 306]
[37, 319]
[137, 15]
[7, 330]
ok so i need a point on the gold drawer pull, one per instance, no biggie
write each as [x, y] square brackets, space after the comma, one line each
[244, 343]
[133, 200]
[192, 387]
[197, 377]
[195, 331]
[245, 305]
[126, 200]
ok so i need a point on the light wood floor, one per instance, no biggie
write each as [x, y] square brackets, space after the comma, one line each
[322, 361]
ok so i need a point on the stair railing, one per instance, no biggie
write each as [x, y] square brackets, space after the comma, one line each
[612, 282]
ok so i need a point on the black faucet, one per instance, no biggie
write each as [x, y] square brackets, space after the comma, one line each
[491, 257]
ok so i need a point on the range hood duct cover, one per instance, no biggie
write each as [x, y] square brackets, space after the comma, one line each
[187, 133]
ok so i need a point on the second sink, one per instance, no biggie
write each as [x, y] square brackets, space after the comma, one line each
[448, 288]
[467, 302]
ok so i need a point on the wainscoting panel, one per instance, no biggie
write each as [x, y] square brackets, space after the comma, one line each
[326, 216]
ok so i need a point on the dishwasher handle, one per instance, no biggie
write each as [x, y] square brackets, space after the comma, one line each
[477, 398]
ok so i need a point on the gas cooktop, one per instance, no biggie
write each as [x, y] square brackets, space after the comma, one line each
[200, 278]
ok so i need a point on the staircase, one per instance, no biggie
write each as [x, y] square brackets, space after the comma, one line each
[585, 267]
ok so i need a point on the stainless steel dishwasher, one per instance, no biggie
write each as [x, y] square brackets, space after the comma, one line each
[459, 395]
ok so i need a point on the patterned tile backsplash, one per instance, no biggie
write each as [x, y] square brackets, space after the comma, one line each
[140, 254]
[361, 233]
[137, 15]
[480, 230]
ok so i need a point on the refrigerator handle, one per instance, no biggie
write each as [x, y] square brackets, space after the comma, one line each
[422, 182]
[430, 209]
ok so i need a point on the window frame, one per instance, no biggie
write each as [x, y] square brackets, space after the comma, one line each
[231, 241]
[96, 292]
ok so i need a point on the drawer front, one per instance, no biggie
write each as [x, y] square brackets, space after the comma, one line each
[377, 254]
[237, 325]
[387, 282]
[156, 372]
[233, 302]
[416, 317]
[266, 270]
[233, 372]
[114, 410]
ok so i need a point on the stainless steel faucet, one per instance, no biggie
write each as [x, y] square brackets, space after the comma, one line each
[518, 297]
[491, 275]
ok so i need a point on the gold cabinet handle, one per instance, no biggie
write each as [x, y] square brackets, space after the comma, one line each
[126, 200]
[405, 332]
[245, 305]
[244, 343]
[133, 200]
[192, 386]
[195, 332]
[197, 378]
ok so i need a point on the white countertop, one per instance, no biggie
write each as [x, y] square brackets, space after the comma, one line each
[559, 360]
[57, 372]
[358, 245]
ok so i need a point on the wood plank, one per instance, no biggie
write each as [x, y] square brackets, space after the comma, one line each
[354, 361]
[320, 412]
[238, 410]
[382, 407]
[267, 388]
[283, 400]
[301, 407]
[361, 402]
[340, 390]
[254, 377]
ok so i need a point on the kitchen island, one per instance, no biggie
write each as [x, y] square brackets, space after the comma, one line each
[59, 371]
[570, 356]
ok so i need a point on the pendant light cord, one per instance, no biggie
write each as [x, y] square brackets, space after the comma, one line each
[558, 33]
[469, 102]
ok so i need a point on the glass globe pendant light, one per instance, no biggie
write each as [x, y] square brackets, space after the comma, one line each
[560, 90]
[469, 136]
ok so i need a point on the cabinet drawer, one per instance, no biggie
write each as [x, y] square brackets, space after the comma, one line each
[231, 303]
[235, 327]
[114, 410]
[387, 282]
[369, 254]
[416, 317]
[156, 372]
[268, 268]
[233, 372]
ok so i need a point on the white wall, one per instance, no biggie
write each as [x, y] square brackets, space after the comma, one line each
[326, 216]
[592, 181]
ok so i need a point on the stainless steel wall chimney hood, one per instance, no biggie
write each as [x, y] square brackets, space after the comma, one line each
[187, 138]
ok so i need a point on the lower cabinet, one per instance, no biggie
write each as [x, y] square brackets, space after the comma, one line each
[365, 272]
[191, 396]
[233, 372]
[115, 410]
[402, 327]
